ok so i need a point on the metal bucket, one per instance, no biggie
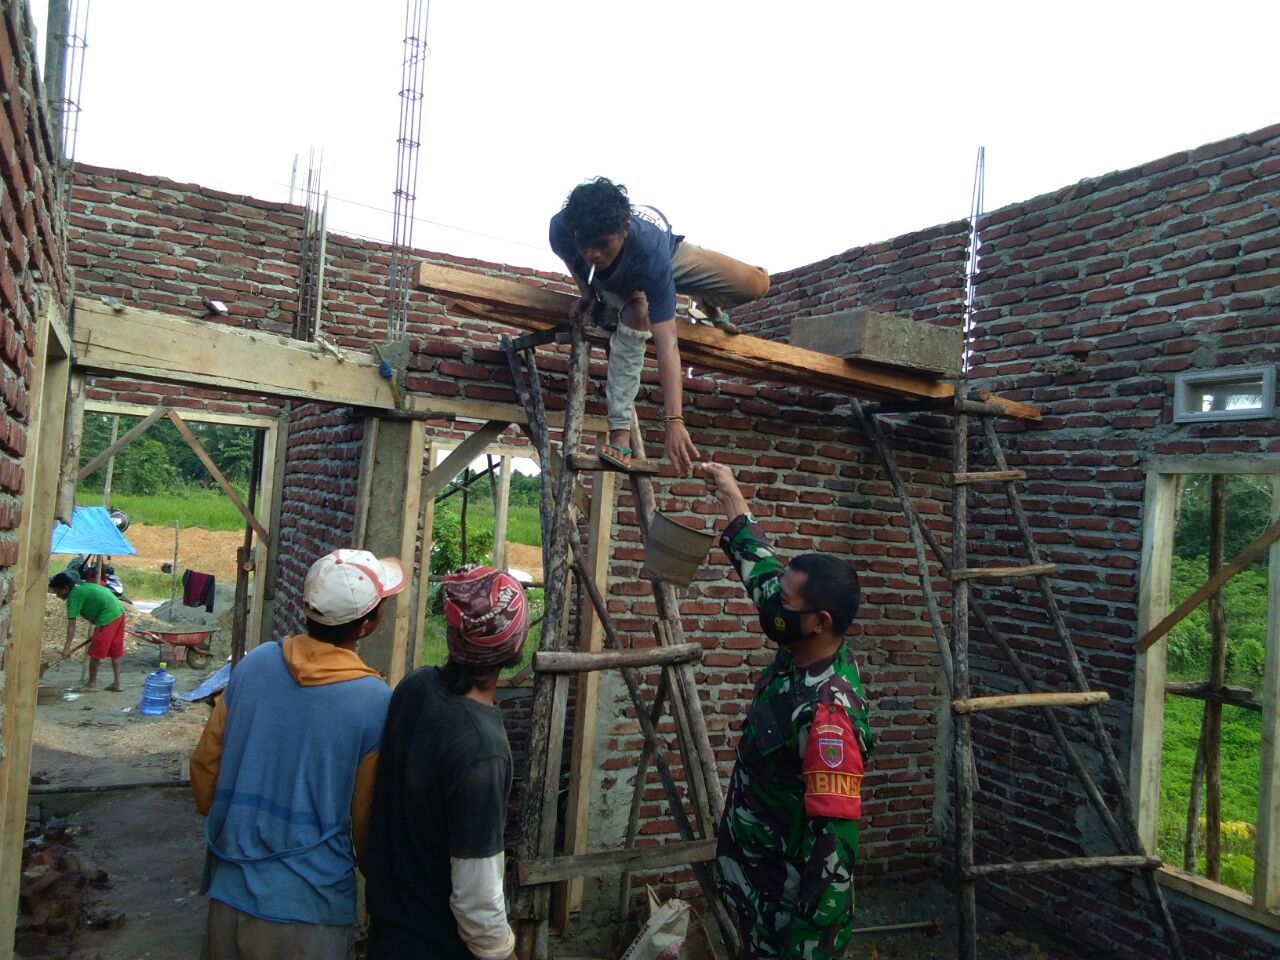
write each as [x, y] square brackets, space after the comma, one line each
[674, 552]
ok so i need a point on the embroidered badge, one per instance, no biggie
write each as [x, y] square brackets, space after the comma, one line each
[830, 744]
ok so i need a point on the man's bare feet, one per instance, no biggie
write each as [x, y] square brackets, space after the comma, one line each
[116, 689]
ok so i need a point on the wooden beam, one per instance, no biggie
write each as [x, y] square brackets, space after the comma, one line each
[529, 307]
[158, 346]
[1121, 862]
[1266, 873]
[461, 455]
[989, 476]
[1212, 585]
[404, 642]
[214, 472]
[589, 463]
[41, 464]
[658, 857]
[1015, 701]
[572, 661]
[1236, 696]
[501, 512]
[74, 431]
[255, 421]
[137, 430]
[993, 573]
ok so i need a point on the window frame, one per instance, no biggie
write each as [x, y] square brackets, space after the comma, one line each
[1163, 487]
[1183, 382]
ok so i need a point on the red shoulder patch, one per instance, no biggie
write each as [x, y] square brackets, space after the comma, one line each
[832, 766]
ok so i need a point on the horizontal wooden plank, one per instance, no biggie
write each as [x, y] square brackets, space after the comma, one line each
[1121, 862]
[1013, 701]
[1235, 696]
[570, 661]
[990, 476]
[588, 462]
[992, 573]
[554, 869]
[529, 307]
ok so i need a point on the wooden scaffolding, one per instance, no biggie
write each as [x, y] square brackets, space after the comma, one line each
[873, 391]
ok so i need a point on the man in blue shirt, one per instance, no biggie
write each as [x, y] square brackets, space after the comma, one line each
[629, 260]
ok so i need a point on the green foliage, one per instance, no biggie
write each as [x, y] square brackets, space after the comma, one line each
[1241, 754]
[1248, 513]
[1244, 597]
[160, 459]
[446, 534]
[207, 509]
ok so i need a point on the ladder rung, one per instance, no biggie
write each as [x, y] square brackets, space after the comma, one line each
[575, 661]
[1030, 570]
[990, 476]
[1123, 862]
[1013, 701]
[540, 338]
[582, 461]
[680, 853]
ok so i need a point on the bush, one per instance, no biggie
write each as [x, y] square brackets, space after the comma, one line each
[1244, 597]
[446, 549]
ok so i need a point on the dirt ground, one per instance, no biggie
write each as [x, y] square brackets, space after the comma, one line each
[209, 551]
[148, 840]
[526, 558]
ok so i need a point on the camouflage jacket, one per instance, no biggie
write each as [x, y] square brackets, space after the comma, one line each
[785, 869]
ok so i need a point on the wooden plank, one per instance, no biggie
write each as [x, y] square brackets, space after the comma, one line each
[583, 750]
[198, 449]
[41, 464]
[137, 430]
[527, 307]
[1217, 678]
[73, 432]
[657, 857]
[422, 405]
[403, 645]
[501, 512]
[1146, 735]
[589, 463]
[1014, 701]
[1212, 585]
[1266, 870]
[1025, 867]
[572, 661]
[1217, 895]
[989, 476]
[992, 573]
[256, 421]
[426, 524]
[458, 459]
[159, 346]
[1235, 696]
[264, 555]
[364, 481]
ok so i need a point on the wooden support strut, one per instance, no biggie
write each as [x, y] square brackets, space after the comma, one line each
[566, 661]
[1025, 867]
[1013, 701]
[214, 472]
[130, 435]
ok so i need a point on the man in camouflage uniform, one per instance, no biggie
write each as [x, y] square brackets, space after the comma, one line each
[789, 836]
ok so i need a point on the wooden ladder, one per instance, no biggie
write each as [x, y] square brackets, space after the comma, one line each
[564, 558]
[954, 655]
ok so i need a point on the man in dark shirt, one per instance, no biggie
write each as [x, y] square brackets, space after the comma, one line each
[440, 802]
[631, 261]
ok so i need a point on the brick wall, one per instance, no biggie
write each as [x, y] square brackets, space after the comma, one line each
[30, 276]
[1092, 299]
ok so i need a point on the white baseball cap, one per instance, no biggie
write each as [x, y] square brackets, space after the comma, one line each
[345, 585]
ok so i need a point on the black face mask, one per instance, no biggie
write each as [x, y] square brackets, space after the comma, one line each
[781, 625]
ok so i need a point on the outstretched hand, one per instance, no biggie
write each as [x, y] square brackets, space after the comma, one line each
[680, 449]
[722, 485]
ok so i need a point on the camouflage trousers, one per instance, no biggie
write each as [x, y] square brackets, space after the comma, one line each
[772, 926]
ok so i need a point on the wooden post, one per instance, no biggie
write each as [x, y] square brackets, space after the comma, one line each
[1217, 678]
[240, 612]
[1190, 835]
[266, 561]
[501, 512]
[73, 433]
[111, 464]
[582, 760]
[963, 744]
[173, 574]
[41, 465]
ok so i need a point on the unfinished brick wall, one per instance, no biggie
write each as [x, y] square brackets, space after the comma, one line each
[1091, 299]
[30, 277]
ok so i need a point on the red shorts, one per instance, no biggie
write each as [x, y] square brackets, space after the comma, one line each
[108, 641]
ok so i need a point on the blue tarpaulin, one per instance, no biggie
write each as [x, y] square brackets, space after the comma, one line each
[91, 531]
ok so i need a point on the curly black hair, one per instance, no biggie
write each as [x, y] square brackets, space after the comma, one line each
[596, 209]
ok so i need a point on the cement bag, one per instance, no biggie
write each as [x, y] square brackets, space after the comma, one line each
[663, 935]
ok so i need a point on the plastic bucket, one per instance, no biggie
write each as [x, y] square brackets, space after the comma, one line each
[674, 552]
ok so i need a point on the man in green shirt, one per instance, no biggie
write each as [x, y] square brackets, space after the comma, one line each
[105, 613]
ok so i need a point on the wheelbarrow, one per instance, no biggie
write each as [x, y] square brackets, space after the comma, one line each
[189, 645]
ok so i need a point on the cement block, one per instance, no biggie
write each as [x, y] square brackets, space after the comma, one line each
[880, 338]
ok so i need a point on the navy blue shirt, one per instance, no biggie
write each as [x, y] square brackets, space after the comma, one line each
[644, 264]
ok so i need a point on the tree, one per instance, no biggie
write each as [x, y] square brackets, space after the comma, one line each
[1248, 514]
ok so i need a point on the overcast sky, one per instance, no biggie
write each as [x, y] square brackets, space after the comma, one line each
[781, 133]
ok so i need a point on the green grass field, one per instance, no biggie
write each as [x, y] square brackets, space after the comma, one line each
[208, 509]
[1241, 751]
[523, 522]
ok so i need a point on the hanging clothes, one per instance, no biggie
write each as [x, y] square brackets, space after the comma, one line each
[198, 589]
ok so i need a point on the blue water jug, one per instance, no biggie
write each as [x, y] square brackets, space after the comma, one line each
[156, 692]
